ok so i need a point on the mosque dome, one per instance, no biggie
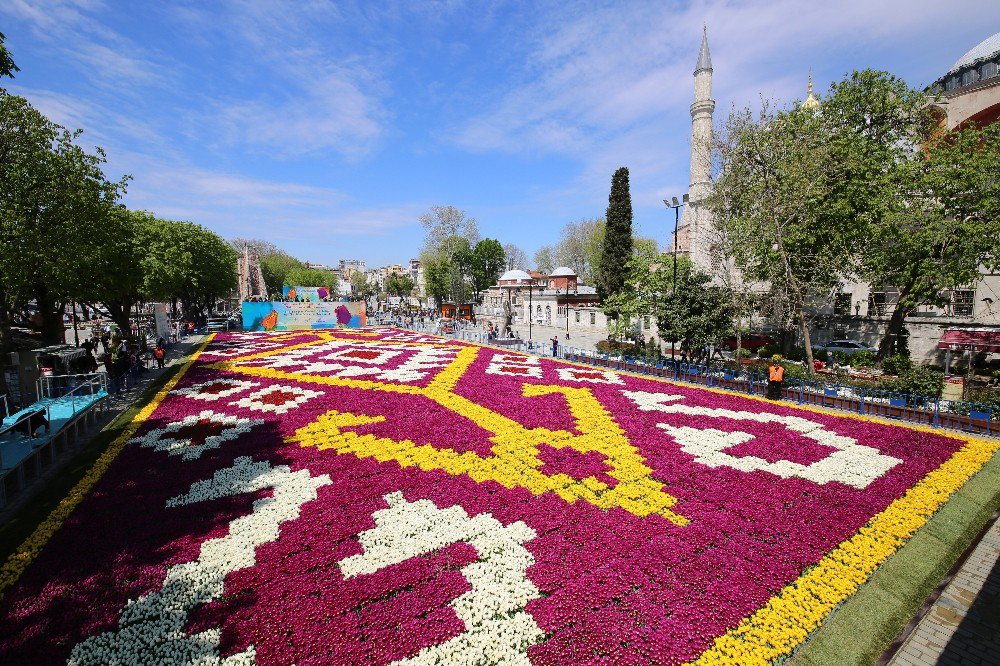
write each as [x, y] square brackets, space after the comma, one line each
[986, 48]
[980, 63]
[563, 271]
[515, 275]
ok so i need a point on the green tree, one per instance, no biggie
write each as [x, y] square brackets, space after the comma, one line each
[301, 276]
[54, 214]
[617, 248]
[698, 312]
[7, 66]
[275, 267]
[360, 285]
[186, 262]
[436, 277]
[781, 200]
[119, 268]
[399, 284]
[488, 261]
[936, 218]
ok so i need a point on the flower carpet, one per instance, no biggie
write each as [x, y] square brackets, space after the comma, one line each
[380, 496]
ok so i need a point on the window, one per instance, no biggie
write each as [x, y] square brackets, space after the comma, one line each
[578, 316]
[593, 318]
[962, 301]
[842, 305]
[876, 304]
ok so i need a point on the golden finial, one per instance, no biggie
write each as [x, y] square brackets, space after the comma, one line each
[811, 103]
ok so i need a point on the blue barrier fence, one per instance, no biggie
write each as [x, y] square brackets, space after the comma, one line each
[960, 415]
[972, 417]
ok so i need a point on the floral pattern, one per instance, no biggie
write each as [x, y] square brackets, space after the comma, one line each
[379, 496]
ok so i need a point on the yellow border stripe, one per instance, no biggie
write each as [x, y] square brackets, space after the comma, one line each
[789, 617]
[32, 546]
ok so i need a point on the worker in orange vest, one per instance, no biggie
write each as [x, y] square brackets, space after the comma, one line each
[775, 375]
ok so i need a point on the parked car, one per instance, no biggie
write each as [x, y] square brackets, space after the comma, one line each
[751, 341]
[847, 347]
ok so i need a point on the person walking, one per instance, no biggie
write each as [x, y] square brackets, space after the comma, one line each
[775, 375]
[159, 354]
[555, 345]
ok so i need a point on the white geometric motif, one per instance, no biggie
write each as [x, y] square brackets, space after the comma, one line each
[497, 628]
[515, 365]
[588, 375]
[850, 463]
[213, 390]
[332, 359]
[152, 629]
[276, 399]
[195, 434]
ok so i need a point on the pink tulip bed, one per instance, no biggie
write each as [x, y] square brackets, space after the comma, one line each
[379, 496]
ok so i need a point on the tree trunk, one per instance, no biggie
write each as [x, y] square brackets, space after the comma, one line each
[804, 325]
[6, 346]
[893, 329]
[119, 314]
[53, 331]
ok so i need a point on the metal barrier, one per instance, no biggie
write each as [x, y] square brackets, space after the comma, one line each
[972, 417]
[11, 428]
[71, 386]
[954, 414]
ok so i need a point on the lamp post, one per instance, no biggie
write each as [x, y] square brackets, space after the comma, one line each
[567, 308]
[676, 205]
[531, 310]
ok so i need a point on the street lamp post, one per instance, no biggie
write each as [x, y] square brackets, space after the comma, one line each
[531, 310]
[676, 205]
[567, 308]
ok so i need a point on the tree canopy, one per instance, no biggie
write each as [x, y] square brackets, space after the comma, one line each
[399, 284]
[616, 250]
[870, 187]
[488, 261]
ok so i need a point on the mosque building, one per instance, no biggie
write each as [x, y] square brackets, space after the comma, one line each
[969, 92]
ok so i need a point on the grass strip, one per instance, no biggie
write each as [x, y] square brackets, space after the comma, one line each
[861, 630]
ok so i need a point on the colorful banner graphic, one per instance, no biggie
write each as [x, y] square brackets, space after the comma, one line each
[311, 294]
[271, 316]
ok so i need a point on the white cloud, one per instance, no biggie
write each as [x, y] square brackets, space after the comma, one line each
[300, 92]
[105, 57]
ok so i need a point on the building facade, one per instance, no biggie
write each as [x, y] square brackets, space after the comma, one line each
[968, 93]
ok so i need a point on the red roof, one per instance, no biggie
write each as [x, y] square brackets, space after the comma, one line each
[976, 339]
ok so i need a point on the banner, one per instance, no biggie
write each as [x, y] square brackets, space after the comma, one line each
[311, 294]
[160, 318]
[271, 316]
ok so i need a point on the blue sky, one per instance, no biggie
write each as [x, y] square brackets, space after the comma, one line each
[329, 127]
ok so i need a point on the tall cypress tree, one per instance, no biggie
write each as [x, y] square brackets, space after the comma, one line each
[617, 250]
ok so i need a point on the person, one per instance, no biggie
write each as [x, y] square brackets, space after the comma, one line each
[555, 344]
[159, 354]
[775, 376]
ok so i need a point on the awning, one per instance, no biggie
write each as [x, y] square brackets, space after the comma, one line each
[976, 339]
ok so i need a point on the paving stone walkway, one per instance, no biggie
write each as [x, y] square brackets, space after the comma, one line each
[962, 628]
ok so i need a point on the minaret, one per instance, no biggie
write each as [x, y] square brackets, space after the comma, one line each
[693, 237]
[701, 123]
